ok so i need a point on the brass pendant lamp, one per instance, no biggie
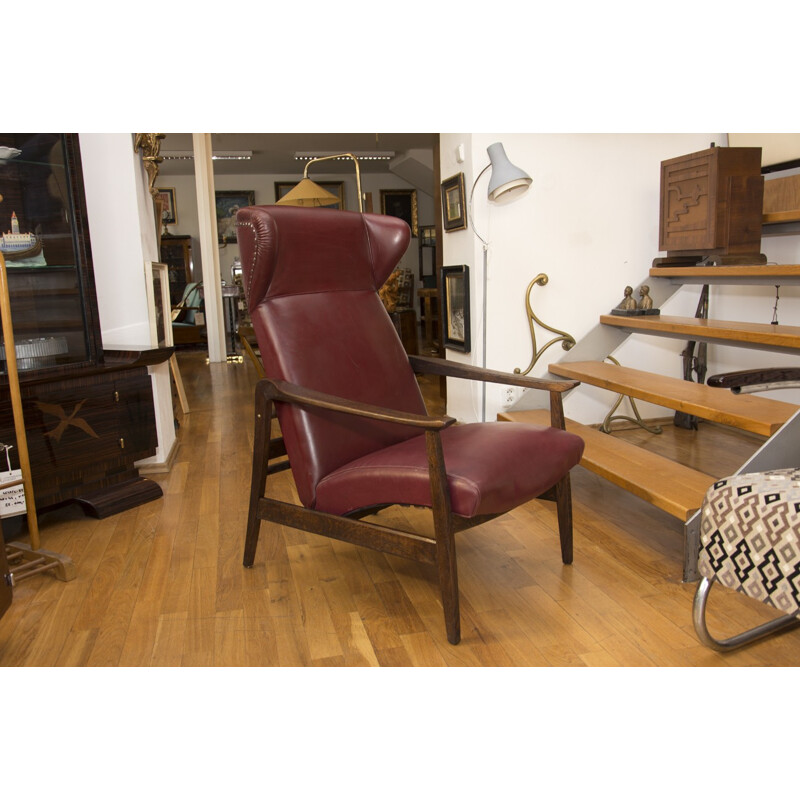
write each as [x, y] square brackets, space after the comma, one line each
[309, 194]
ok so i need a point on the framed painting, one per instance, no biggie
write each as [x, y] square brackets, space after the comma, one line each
[334, 187]
[160, 305]
[401, 203]
[455, 307]
[454, 211]
[227, 205]
[169, 211]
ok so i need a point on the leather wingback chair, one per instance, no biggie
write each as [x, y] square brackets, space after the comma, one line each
[353, 420]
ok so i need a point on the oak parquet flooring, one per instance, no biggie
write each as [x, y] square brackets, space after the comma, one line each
[163, 584]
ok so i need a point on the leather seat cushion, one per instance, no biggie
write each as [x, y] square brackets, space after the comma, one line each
[491, 468]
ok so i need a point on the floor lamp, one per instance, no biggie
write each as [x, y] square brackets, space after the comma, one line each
[506, 182]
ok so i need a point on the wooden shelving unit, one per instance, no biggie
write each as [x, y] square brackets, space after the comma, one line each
[672, 487]
[748, 412]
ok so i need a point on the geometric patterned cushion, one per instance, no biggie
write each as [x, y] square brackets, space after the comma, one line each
[750, 536]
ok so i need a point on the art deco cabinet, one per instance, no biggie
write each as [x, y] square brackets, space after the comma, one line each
[89, 413]
[711, 207]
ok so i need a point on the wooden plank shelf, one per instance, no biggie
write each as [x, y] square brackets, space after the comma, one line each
[752, 413]
[782, 199]
[756, 274]
[672, 487]
[753, 335]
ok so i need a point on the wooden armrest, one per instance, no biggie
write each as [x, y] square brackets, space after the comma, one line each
[440, 366]
[283, 392]
[757, 380]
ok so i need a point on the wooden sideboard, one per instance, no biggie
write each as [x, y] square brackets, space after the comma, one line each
[86, 430]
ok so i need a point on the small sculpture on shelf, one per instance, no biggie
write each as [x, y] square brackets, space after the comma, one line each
[628, 306]
[628, 303]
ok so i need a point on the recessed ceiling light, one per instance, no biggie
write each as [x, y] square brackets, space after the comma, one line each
[384, 155]
[222, 155]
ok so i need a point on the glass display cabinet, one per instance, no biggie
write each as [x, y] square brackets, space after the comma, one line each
[46, 249]
[88, 412]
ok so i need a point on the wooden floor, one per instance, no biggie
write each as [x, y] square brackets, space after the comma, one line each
[163, 585]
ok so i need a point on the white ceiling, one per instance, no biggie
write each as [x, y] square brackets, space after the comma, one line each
[273, 153]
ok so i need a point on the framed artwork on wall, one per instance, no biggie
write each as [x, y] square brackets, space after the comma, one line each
[455, 307]
[169, 210]
[334, 187]
[454, 211]
[401, 203]
[228, 204]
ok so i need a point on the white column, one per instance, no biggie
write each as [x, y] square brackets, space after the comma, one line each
[207, 221]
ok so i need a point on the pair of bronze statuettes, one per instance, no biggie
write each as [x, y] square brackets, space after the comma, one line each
[629, 306]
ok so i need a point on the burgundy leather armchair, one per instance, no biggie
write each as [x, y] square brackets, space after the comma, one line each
[352, 418]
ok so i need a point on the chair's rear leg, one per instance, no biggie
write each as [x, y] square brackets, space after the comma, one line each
[564, 509]
[258, 479]
[563, 488]
[445, 540]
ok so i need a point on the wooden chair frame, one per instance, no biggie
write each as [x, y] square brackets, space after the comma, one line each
[439, 551]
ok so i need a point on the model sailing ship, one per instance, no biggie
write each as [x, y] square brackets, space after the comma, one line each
[15, 245]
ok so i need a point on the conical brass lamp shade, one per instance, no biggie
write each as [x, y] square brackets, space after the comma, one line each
[307, 193]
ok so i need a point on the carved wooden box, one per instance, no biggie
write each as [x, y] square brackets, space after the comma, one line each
[711, 207]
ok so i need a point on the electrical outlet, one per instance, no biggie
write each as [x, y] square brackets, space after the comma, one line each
[510, 396]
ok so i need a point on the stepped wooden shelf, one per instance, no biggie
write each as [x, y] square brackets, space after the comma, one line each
[672, 487]
[751, 413]
[752, 335]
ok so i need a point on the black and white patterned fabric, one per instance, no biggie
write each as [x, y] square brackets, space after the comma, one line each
[750, 536]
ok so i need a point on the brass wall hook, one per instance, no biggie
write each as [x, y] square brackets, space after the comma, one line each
[567, 341]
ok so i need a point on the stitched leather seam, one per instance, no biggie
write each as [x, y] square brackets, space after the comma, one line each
[255, 254]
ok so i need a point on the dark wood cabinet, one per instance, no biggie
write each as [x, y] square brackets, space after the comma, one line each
[84, 434]
[176, 253]
[405, 323]
[88, 417]
[711, 207]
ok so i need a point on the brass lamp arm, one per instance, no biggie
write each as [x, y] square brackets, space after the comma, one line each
[340, 155]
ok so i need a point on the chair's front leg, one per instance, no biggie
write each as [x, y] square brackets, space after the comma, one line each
[445, 541]
[563, 491]
[258, 479]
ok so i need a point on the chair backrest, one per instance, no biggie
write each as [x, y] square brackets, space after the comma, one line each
[311, 278]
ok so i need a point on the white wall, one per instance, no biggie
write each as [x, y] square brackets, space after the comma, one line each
[589, 222]
[122, 232]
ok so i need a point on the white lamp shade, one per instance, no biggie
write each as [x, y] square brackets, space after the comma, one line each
[506, 179]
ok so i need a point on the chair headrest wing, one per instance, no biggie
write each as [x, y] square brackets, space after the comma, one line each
[289, 250]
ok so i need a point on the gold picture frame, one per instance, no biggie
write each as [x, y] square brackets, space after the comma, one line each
[401, 203]
[454, 212]
[455, 307]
